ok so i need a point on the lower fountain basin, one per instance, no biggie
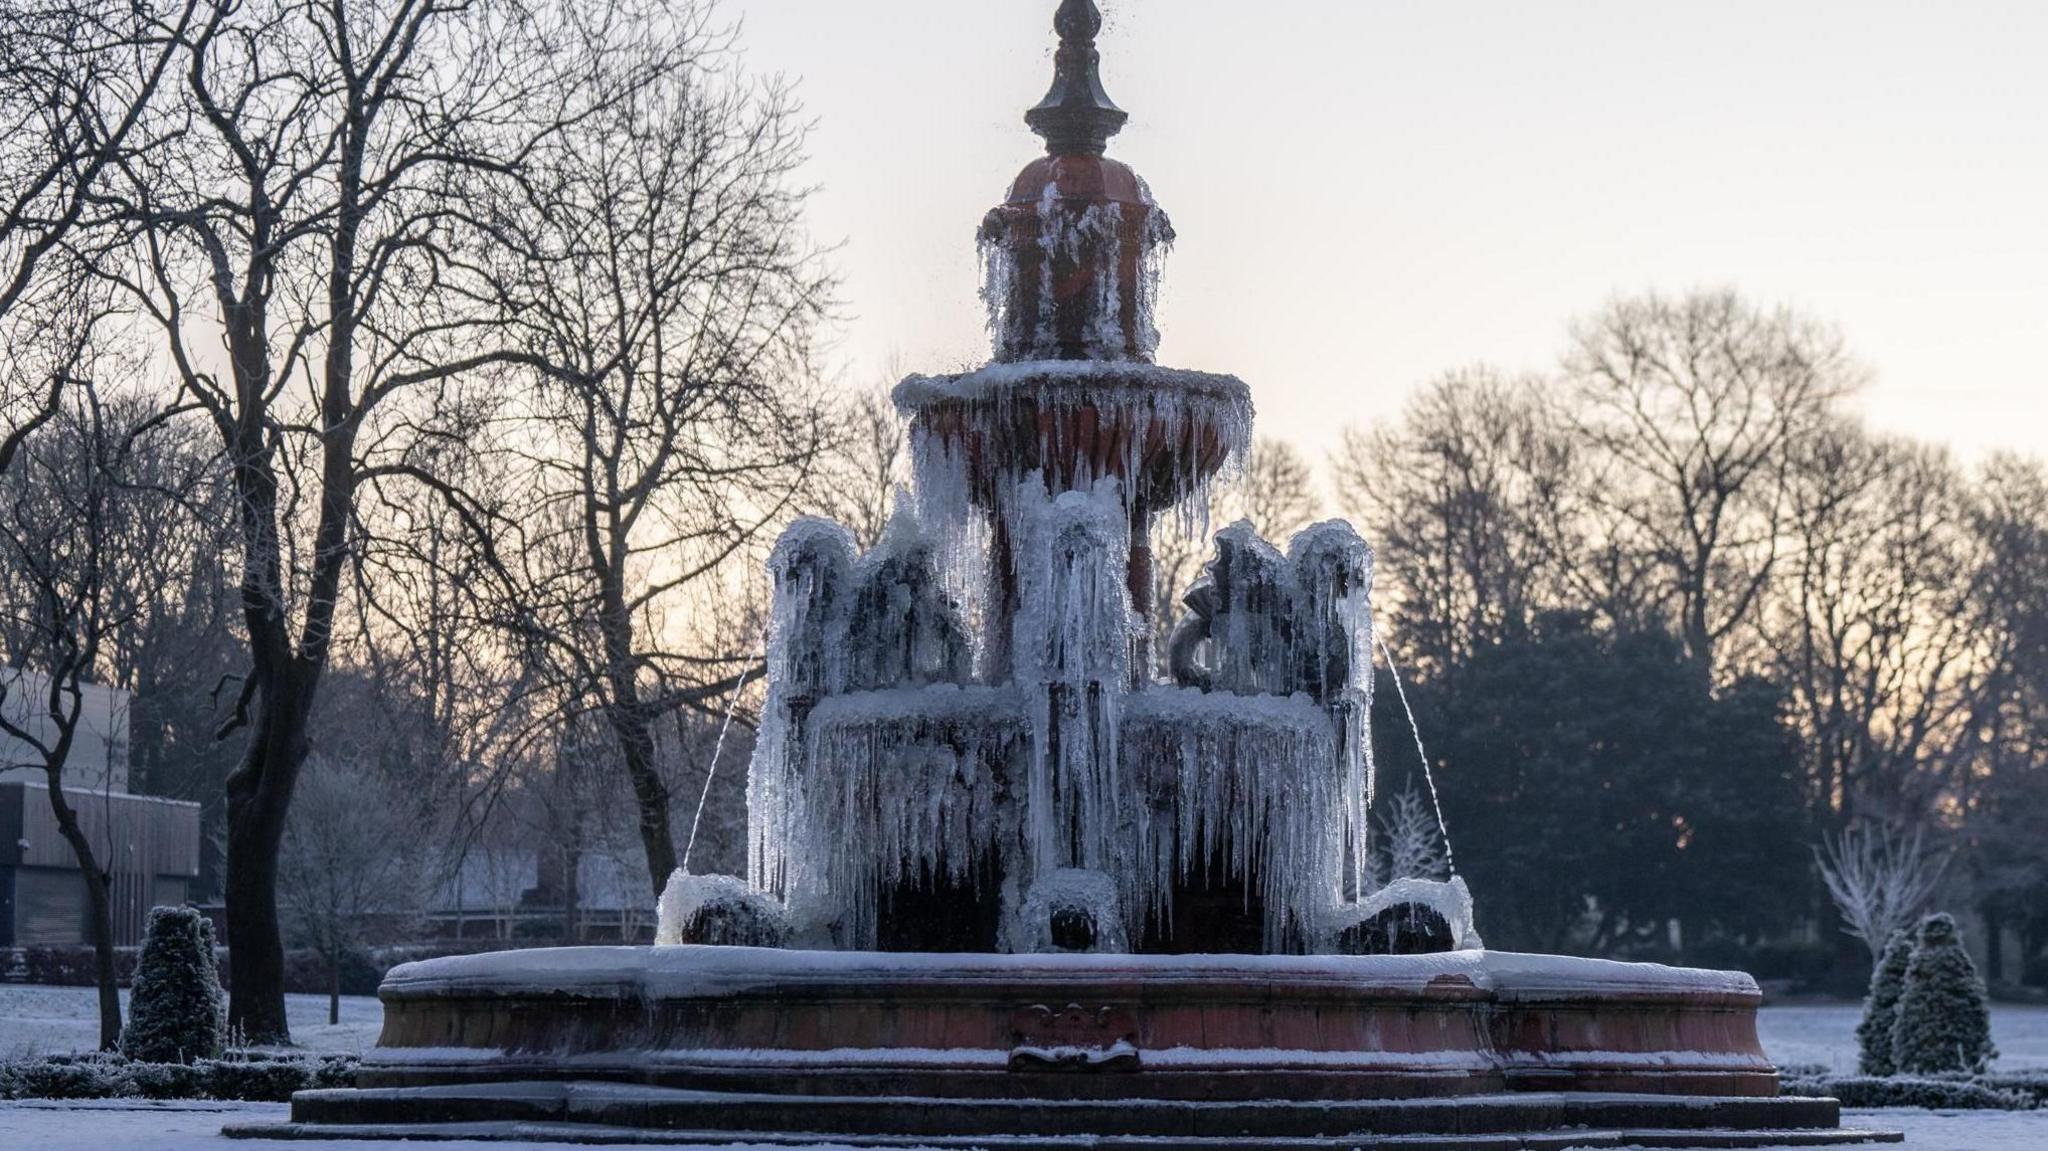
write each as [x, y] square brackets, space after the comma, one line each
[733, 1044]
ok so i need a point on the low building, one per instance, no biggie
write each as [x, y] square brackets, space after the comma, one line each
[99, 751]
[150, 845]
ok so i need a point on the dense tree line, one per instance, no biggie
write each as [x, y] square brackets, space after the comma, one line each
[1851, 624]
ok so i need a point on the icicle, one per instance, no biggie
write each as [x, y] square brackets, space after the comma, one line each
[1074, 242]
[909, 784]
[810, 566]
[1333, 570]
[1247, 779]
[1072, 640]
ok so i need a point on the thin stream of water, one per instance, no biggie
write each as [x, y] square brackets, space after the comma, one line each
[1429, 777]
[711, 772]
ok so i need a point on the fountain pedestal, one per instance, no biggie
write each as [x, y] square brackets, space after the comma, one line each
[731, 1045]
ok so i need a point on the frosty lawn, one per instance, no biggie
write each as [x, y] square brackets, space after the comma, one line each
[53, 1020]
[1826, 1034]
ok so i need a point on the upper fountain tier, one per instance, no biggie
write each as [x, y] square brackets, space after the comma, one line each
[1070, 277]
[1072, 258]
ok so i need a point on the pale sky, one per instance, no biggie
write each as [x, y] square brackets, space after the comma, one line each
[1370, 192]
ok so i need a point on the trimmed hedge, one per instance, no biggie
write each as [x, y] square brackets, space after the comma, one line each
[1936, 1094]
[2032, 1084]
[247, 1077]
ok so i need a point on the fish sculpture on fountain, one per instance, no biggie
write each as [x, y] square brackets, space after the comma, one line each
[1013, 877]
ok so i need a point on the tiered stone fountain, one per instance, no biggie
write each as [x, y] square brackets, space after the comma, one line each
[1005, 887]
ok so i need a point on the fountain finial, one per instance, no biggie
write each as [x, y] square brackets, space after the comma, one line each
[1077, 117]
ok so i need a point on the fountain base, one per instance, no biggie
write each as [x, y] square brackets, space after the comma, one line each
[729, 1045]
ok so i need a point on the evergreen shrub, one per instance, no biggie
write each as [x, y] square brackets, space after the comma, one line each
[1944, 1014]
[1881, 1006]
[175, 1014]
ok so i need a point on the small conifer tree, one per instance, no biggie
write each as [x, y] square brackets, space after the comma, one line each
[1944, 1021]
[1881, 1007]
[175, 1012]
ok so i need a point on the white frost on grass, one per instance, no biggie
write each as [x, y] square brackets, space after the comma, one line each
[1825, 1034]
[37, 1020]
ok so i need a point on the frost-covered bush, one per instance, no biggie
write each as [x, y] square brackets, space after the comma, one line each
[718, 911]
[175, 1012]
[1881, 1006]
[1901, 1091]
[2030, 1084]
[249, 1079]
[1944, 1021]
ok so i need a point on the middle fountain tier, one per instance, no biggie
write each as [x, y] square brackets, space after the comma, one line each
[965, 747]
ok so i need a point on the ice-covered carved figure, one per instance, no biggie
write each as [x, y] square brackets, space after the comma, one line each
[1072, 641]
[810, 566]
[899, 627]
[717, 911]
[1333, 569]
[1409, 917]
[1184, 643]
[1070, 910]
[1245, 642]
[1333, 661]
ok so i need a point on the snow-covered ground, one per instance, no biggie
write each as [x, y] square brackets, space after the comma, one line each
[1826, 1034]
[136, 1126]
[51, 1020]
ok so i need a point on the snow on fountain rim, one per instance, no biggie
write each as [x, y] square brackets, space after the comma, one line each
[992, 380]
[710, 972]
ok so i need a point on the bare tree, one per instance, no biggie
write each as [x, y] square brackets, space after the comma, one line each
[1879, 879]
[863, 466]
[1873, 620]
[665, 294]
[71, 526]
[1469, 498]
[2002, 789]
[75, 78]
[1692, 405]
[352, 871]
[308, 197]
[1414, 842]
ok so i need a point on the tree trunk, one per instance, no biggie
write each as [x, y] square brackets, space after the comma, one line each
[103, 960]
[334, 987]
[650, 792]
[572, 866]
[100, 904]
[259, 795]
